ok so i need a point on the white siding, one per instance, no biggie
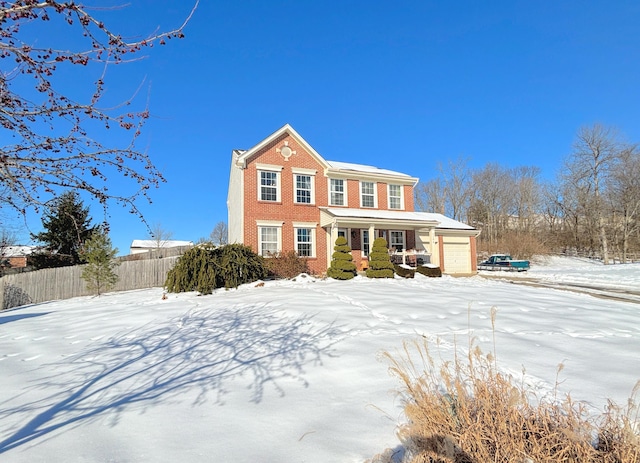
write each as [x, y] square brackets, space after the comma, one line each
[235, 201]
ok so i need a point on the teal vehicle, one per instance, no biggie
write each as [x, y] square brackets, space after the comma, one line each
[504, 262]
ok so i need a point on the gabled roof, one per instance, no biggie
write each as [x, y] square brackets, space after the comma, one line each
[345, 169]
[244, 156]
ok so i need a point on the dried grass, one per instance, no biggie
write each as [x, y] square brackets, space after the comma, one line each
[466, 411]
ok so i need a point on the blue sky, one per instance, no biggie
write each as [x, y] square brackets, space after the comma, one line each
[399, 86]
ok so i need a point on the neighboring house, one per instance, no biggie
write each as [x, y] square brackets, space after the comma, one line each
[284, 196]
[140, 246]
[15, 257]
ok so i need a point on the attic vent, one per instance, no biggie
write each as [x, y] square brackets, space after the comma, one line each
[285, 150]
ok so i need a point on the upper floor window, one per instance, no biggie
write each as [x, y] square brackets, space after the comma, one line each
[395, 197]
[337, 192]
[304, 189]
[367, 194]
[269, 182]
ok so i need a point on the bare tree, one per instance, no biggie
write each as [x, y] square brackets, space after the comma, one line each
[527, 196]
[625, 196]
[51, 139]
[429, 196]
[457, 187]
[159, 235]
[595, 152]
[449, 193]
[220, 235]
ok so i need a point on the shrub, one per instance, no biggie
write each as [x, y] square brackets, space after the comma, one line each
[403, 271]
[429, 271]
[467, 411]
[342, 266]
[286, 264]
[99, 273]
[206, 267]
[380, 265]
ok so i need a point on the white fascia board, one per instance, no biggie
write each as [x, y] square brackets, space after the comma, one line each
[370, 176]
[246, 155]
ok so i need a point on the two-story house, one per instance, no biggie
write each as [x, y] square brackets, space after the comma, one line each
[284, 196]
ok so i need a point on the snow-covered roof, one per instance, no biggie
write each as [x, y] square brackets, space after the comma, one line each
[163, 243]
[446, 222]
[16, 251]
[441, 220]
[364, 168]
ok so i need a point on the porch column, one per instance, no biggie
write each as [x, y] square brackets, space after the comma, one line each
[372, 237]
[332, 241]
[432, 239]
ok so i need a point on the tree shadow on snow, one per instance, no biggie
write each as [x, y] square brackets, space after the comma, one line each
[201, 351]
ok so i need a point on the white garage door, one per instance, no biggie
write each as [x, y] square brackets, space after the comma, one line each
[457, 257]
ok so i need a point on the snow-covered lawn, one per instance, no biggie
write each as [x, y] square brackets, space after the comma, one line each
[288, 371]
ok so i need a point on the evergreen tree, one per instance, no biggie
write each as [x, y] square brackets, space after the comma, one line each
[342, 266]
[67, 226]
[206, 267]
[99, 273]
[380, 265]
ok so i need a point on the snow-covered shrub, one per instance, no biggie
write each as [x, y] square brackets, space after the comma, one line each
[342, 266]
[405, 272]
[380, 265]
[429, 271]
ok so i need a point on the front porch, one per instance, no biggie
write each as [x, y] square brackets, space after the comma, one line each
[411, 239]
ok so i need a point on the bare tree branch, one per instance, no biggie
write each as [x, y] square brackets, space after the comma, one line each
[55, 139]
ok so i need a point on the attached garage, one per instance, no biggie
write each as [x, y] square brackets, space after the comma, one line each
[456, 253]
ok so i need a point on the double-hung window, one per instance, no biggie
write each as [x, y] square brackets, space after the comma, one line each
[269, 183]
[397, 240]
[269, 237]
[303, 189]
[395, 197]
[337, 192]
[367, 194]
[304, 234]
[303, 181]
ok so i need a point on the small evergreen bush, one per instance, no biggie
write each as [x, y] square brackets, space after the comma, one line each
[342, 266]
[429, 271]
[380, 265]
[206, 267]
[286, 264]
[99, 273]
[403, 271]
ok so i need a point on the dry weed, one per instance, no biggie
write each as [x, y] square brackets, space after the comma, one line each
[466, 411]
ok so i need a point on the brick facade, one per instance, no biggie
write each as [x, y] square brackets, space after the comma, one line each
[284, 155]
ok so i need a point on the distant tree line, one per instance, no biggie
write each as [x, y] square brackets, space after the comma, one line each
[592, 206]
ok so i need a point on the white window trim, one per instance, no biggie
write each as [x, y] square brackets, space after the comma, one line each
[308, 225]
[365, 253]
[297, 172]
[269, 224]
[278, 184]
[375, 194]
[401, 208]
[344, 184]
[404, 239]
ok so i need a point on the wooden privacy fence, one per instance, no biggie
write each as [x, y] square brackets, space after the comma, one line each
[65, 282]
